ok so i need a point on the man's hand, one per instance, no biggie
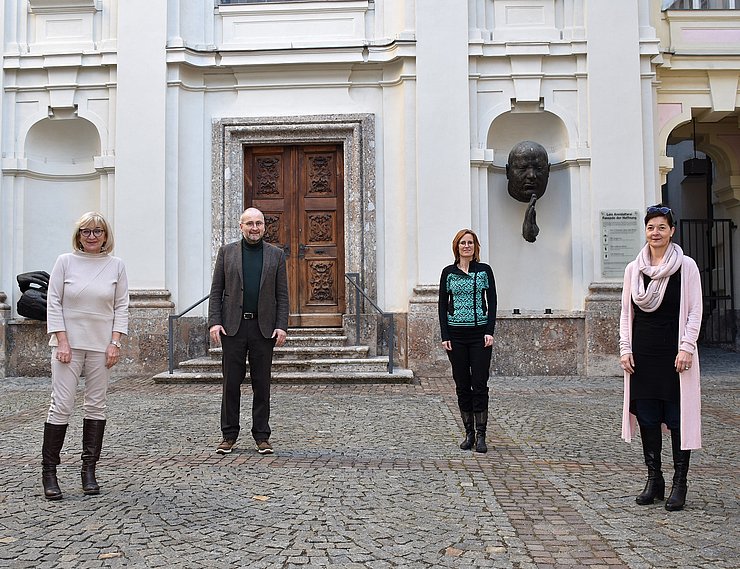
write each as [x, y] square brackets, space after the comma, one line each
[216, 332]
[280, 335]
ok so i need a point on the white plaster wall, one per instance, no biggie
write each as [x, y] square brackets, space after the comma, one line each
[442, 133]
[6, 209]
[47, 227]
[141, 142]
[616, 114]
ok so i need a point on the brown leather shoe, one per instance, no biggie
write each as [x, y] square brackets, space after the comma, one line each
[225, 446]
[264, 447]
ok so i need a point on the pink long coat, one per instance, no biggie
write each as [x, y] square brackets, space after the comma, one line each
[690, 313]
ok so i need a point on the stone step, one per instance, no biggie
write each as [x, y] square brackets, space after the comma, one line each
[315, 332]
[398, 376]
[316, 340]
[311, 355]
[308, 352]
[341, 365]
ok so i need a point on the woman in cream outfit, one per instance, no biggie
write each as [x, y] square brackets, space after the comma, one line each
[87, 314]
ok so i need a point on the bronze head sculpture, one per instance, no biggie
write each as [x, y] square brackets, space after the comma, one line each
[528, 170]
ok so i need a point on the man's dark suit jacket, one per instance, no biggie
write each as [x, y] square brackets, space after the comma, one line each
[227, 290]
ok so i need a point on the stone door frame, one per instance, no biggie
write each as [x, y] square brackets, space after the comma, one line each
[356, 133]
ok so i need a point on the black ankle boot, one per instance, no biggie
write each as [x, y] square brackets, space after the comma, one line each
[652, 444]
[481, 423]
[469, 424]
[92, 443]
[52, 446]
[677, 498]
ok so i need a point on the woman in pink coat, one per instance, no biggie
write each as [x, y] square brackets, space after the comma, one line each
[659, 326]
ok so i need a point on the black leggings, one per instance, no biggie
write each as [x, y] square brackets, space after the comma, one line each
[470, 361]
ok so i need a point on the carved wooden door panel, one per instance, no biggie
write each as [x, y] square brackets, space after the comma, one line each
[300, 189]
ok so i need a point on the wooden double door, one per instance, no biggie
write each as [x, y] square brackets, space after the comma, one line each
[300, 189]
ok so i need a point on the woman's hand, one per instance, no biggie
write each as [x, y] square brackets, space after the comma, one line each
[487, 341]
[447, 345]
[683, 361]
[64, 352]
[112, 355]
[627, 363]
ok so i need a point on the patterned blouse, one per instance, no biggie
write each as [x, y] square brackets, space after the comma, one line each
[467, 299]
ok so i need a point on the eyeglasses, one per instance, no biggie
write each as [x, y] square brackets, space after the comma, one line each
[655, 209]
[97, 232]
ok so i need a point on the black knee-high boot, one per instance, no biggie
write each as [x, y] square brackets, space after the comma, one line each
[92, 443]
[52, 446]
[652, 444]
[481, 423]
[469, 424]
[677, 498]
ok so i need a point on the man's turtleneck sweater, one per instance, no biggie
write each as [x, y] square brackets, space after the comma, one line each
[251, 274]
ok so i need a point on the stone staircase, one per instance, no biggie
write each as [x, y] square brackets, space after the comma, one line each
[311, 355]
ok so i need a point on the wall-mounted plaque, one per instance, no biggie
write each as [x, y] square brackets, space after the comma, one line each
[622, 238]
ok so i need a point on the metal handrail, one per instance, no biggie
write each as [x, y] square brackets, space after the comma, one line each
[354, 278]
[170, 343]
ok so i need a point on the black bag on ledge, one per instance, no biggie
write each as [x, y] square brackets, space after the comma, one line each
[34, 285]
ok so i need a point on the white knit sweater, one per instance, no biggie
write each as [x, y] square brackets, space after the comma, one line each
[88, 299]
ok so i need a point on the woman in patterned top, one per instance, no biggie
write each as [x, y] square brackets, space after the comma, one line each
[467, 318]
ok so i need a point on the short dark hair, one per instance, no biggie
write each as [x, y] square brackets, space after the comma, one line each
[659, 210]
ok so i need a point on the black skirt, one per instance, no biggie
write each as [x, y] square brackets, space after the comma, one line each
[655, 347]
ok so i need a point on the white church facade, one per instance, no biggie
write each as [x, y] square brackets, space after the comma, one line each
[369, 132]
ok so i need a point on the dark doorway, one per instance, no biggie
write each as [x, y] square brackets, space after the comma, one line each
[300, 189]
[709, 243]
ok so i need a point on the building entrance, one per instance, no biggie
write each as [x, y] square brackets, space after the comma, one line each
[709, 243]
[300, 189]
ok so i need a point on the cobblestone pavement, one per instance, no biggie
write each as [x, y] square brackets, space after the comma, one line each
[369, 476]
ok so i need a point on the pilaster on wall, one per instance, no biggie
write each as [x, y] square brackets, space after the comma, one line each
[4, 316]
[426, 357]
[603, 304]
[442, 130]
[141, 217]
[146, 344]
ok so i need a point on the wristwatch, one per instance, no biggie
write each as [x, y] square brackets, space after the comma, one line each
[116, 343]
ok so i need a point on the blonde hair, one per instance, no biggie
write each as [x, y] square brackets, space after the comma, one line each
[92, 219]
[456, 244]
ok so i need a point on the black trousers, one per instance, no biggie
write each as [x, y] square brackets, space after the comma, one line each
[651, 413]
[471, 362]
[247, 344]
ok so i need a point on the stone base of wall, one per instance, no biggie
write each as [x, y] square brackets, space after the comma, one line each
[559, 344]
[571, 343]
[25, 351]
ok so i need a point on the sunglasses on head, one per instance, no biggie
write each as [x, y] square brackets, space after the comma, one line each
[655, 209]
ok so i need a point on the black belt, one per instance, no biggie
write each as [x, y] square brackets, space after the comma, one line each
[250, 315]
